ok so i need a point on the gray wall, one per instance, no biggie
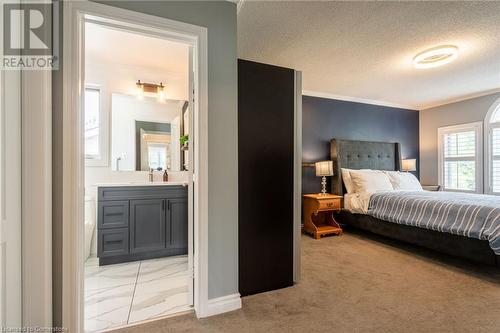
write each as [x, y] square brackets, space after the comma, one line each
[220, 19]
[324, 119]
[467, 111]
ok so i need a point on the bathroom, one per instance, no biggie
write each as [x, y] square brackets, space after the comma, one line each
[137, 159]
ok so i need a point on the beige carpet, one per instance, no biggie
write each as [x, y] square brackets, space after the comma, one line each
[362, 283]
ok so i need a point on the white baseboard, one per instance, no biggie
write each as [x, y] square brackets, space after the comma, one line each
[222, 304]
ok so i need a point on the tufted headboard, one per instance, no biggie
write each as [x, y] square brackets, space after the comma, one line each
[362, 155]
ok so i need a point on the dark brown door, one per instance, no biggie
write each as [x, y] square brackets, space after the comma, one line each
[266, 96]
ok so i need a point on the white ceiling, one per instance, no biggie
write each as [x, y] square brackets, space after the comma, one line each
[120, 47]
[363, 50]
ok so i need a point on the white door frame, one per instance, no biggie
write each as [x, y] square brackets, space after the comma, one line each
[26, 196]
[10, 198]
[75, 12]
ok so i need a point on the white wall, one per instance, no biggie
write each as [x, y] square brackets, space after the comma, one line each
[467, 111]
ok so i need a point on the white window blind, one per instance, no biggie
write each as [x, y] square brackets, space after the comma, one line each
[460, 153]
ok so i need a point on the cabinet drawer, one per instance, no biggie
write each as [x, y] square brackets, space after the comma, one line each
[113, 242]
[113, 214]
[329, 204]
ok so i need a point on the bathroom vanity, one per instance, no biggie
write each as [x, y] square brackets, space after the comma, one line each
[144, 221]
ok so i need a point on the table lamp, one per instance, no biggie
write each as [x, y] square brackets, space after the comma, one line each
[324, 169]
[409, 165]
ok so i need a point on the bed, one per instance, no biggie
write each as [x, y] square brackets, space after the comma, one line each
[471, 244]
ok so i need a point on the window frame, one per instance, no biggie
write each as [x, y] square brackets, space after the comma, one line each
[488, 151]
[477, 127]
[102, 158]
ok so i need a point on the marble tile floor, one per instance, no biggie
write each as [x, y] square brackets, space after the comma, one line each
[121, 294]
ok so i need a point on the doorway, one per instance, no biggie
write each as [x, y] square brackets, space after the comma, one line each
[78, 14]
[136, 106]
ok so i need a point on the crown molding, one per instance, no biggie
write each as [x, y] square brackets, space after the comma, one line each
[238, 3]
[356, 99]
[462, 98]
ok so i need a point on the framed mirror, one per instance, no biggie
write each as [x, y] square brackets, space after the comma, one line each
[146, 133]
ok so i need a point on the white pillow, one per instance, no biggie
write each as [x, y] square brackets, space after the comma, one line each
[346, 177]
[404, 181]
[370, 181]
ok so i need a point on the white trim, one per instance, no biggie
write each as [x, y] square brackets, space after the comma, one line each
[10, 195]
[239, 5]
[396, 105]
[73, 189]
[477, 127]
[37, 197]
[297, 184]
[488, 127]
[462, 98]
[36, 168]
[103, 158]
[356, 99]
[223, 304]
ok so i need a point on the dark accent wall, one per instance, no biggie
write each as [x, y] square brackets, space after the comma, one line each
[324, 119]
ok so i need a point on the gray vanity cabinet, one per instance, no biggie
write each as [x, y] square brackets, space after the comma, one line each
[147, 225]
[177, 232]
[141, 222]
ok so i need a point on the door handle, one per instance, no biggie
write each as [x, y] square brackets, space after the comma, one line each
[163, 205]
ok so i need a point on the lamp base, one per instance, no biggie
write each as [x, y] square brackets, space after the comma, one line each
[323, 186]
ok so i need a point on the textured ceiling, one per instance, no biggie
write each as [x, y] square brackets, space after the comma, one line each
[363, 50]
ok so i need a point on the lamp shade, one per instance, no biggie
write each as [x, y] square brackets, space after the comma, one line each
[409, 165]
[324, 168]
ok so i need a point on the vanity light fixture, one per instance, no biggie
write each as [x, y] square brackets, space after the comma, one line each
[436, 56]
[158, 89]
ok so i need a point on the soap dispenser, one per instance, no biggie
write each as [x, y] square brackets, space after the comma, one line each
[165, 176]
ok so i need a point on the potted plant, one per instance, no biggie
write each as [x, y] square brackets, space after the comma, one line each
[184, 140]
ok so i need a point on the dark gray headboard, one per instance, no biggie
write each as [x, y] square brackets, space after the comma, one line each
[362, 155]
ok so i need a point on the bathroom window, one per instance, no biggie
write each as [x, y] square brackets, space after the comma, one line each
[92, 123]
[157, 156]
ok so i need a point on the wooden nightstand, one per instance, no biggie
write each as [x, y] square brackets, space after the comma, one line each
[318, 214]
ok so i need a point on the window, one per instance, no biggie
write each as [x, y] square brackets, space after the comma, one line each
[157, 156]
[92, 123]
[460, 157]
[492, 124]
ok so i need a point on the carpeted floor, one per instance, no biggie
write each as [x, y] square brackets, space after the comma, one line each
[362, 283]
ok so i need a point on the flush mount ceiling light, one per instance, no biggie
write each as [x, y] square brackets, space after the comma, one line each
[436, 56]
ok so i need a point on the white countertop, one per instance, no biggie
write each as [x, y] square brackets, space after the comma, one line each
[141, 184]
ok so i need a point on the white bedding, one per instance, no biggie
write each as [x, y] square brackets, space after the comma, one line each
[357, 202]
[364, 183]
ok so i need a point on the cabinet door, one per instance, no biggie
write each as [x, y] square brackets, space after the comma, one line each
[147, 225]
[177, 223]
